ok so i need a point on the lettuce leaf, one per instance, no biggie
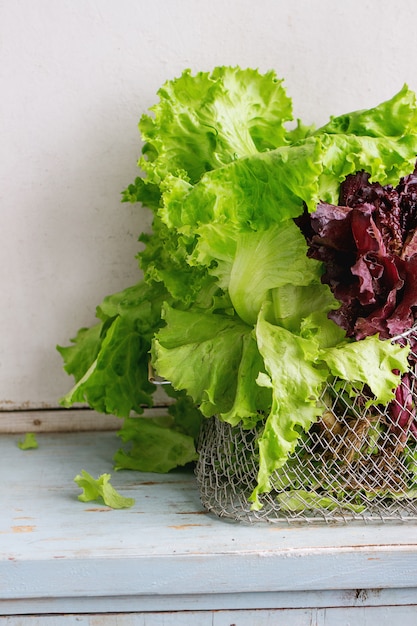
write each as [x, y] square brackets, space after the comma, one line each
[165, 260]
[110, 361]
[214, 357]
[29, 442]
[208, 120]
[395, 117]
[101, 489]
[251, 192]
[255, 262]
[152, 446]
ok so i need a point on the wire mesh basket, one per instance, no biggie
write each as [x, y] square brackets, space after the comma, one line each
[356, 464]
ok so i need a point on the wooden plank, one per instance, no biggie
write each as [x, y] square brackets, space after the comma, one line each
[64, 420]
[211, 601]
[166, 546]
[192, 618]
[93, 574]
[58, 420]
[381, 616]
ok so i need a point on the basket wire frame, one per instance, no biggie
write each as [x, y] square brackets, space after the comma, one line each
[354, 465]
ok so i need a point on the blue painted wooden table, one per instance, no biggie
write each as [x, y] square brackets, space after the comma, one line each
[167, 561]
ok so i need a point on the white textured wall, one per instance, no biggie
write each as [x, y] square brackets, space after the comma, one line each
[75, 77]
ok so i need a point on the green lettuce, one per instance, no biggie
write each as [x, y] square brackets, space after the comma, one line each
[205, 121]
[29, 442]
[231, 311]
[153, 445]
[109, 361]
[209, 355]
[102, 490]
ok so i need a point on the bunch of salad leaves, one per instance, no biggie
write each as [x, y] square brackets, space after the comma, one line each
[232, 310]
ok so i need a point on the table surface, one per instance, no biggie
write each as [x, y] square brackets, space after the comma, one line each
[167, 550]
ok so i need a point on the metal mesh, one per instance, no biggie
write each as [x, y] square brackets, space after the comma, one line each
[355, 463]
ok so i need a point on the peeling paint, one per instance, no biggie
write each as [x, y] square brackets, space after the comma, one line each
[183, 526]
[23, 529]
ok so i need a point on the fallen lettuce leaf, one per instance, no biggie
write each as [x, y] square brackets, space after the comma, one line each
[151, 446]
[29, 442]
[301, 500]
[101, 489]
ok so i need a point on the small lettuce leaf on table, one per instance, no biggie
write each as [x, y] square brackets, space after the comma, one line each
[29, 442]
[102, 490]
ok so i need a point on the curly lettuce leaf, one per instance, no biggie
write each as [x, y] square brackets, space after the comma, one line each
[251, 193]
[296, 380]
[394, 117]
[29, 442]
[110, 361]
[152, 446]
[272, 187]
[250, 264]
[214, 358]
[79, 356]
[369, 361]
[117, 380]
[209, 119]
[102, 490]
[144, 191]
[165, 260]
[386, 159]
[380, 140]
[140, 303]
